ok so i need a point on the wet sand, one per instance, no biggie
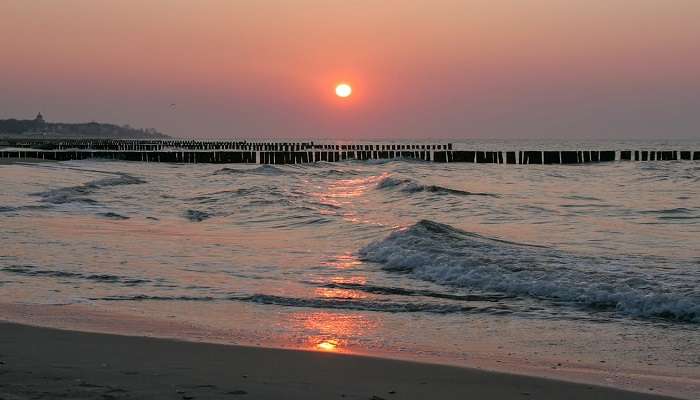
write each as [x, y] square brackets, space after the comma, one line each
[49, 363]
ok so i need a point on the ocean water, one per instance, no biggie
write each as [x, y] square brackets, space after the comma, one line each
[548, 270]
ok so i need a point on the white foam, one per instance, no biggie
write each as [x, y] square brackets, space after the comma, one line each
[445, 255]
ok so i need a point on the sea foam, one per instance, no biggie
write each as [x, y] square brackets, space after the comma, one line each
[443, 254]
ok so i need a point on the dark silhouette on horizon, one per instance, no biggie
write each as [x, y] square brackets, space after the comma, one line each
[39, 127]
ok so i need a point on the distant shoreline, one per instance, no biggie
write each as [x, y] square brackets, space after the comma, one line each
[39, 128]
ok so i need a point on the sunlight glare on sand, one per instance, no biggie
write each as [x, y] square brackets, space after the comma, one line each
[328, 345]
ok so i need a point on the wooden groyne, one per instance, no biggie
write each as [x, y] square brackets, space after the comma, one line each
[200, 151]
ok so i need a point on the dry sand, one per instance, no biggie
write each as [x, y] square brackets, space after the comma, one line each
[56, 364]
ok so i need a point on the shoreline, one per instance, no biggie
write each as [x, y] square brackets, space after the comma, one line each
[81, 321]
[66, 363]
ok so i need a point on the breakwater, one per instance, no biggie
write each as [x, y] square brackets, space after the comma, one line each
[203, 151]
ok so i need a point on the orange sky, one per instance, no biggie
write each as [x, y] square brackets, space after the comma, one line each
[470, 68]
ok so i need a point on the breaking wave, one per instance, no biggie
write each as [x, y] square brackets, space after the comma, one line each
[324, 303]
[411, 186]
[442, 254]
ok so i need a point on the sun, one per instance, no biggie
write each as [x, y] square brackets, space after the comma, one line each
[343, 90]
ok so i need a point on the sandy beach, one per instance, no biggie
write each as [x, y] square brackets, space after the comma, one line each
[48, 363]
[381, 200]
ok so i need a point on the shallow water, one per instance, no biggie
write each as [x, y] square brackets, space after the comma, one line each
[447, 262]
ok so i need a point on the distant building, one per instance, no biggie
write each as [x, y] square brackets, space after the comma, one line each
[39, 126]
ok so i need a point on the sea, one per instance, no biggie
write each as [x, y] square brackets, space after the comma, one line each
[584, 272]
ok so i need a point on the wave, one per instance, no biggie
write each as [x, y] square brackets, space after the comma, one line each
[354, 304]
[29, 270]
[77, 194]
[324, 303]
[416, 292]
[144, 297]
[673, 214]
[301, 221]
[261, 170]
[328, 172]
[214, 197]
[679, 210]
[443, 254]
[410, 186]
[7, 209]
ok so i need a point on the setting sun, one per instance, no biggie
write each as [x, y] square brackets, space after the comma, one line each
[343, 90]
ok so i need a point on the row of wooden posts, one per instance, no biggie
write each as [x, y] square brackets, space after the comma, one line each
[203, 145]
[335, 155]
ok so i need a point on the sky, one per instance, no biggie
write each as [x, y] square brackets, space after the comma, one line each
[563, 69]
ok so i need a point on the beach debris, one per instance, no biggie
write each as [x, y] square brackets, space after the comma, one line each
[112, 215]
[196, 215]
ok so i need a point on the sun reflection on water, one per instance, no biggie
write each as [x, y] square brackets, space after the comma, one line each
[343, 261]
[338, 293]
[345, 194]
[332, 331]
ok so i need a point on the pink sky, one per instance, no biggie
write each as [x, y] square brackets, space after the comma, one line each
[433, 68]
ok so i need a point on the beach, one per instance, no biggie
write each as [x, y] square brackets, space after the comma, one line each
[545, 272]
[48, 363]
[429, 199]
